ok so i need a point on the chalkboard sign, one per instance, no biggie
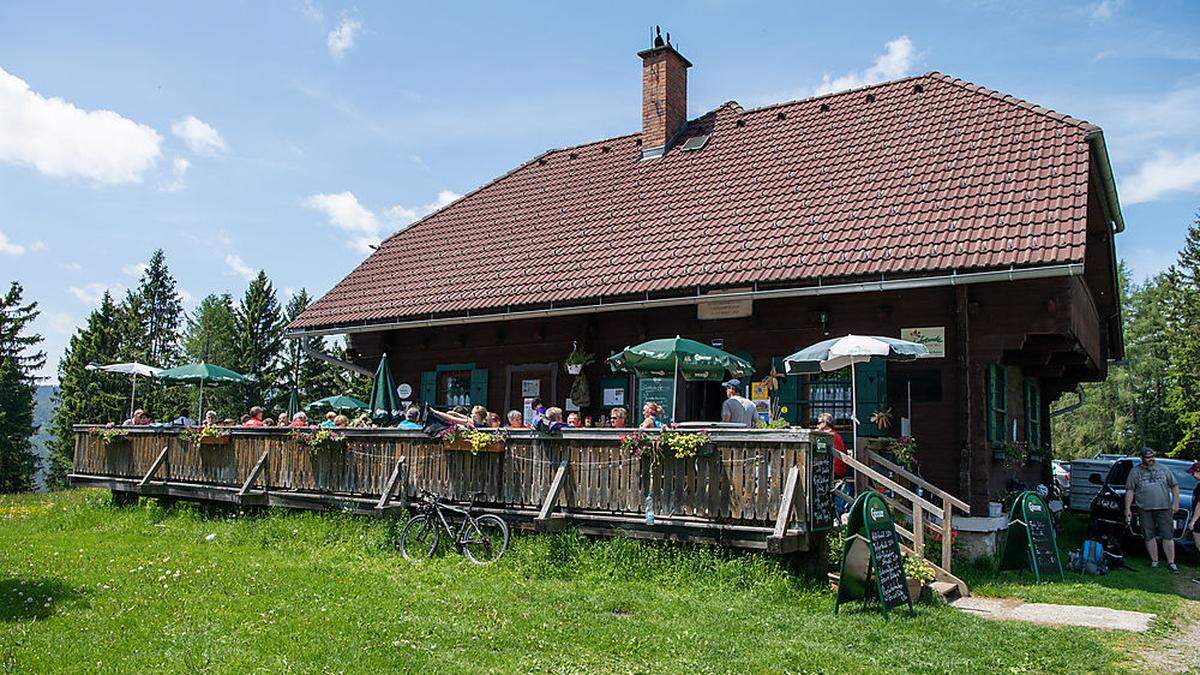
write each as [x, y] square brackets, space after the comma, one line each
[820, 469]
[1031, 539]
[657, 389]
[871, 562]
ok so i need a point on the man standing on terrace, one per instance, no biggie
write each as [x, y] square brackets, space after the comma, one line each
[737, 408]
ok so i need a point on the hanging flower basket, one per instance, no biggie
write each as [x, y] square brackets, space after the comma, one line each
[207, 435]
[574, 368]
[462, 439]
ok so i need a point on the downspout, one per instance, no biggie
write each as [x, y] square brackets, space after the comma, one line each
[1074, 406]
[346, 365]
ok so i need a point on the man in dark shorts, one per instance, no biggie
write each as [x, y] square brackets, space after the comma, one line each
[1157, 494]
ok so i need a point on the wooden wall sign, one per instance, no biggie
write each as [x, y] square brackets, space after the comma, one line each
[1031, 540]
[871, 562]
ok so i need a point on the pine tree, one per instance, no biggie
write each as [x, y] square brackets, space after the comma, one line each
[150, 317]
[258, 340]
[311, 377]
[1183, 399]
[87, 397]
[210, 337]
[19, 362]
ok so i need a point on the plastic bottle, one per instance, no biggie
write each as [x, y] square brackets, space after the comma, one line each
[649, 509]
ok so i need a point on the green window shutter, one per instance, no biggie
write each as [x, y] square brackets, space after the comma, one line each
[1033, 419]
[479, 387]
[429, 386]
[789, 396]
[997, 397]
[871, 386]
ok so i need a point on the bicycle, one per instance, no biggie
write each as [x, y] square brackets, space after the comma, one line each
[482, 539]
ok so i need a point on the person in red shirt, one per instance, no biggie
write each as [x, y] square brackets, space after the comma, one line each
[256, 418]
[825, 423]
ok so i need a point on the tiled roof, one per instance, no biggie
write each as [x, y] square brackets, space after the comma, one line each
[917, 176]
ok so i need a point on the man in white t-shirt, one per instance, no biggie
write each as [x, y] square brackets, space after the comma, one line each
[737, 408]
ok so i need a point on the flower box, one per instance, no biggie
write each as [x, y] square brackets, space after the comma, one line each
[223, 439]
[464, 445]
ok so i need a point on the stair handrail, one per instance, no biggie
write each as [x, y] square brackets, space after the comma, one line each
[924, 484]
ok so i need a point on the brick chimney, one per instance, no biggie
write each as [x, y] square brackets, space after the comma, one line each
[664, 95]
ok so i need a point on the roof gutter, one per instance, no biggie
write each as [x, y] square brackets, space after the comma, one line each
[882, 285]
[1096, 138]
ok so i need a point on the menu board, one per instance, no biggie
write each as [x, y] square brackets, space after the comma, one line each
[660, 390]
[820, 494]
[1031, 539]
[871, 564]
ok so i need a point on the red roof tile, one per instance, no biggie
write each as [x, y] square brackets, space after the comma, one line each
[921, 179]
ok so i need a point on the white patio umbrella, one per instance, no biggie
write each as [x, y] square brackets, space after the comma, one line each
[133, 370]
[837, 353]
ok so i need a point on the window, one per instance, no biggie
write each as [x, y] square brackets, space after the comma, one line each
[454, 388]
[454, 384]
[997, 402]
[827, 392]
[1033, 418]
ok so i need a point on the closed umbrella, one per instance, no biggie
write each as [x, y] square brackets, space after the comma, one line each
[293, 404]
[677, 356]
[837, 353]
[133, 370]
[341, 404]
[384, 405]
[201, 374]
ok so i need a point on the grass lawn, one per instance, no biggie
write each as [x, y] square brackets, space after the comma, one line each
[88, 587]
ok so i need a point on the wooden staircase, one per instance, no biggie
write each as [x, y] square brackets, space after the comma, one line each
[911, 499]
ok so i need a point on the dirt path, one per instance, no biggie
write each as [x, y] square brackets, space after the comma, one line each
[1182, 653]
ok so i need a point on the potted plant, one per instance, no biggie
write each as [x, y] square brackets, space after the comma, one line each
[904, 452]
[638, 444]
[110, 435]
[323, 439]
[919, 573]
[205, 435]
[474, 441]
[578, 359]
[681, 445]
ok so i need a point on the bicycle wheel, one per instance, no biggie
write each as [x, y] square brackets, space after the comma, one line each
[486, 539]
[420, 538]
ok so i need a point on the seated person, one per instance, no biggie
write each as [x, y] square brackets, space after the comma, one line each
[363, 421]
[619, 418]
[516, 420]
[479, 417]
[211, 419]
[538, 410]
[256, 417]
[551, 421]
[269, 422]
[341, 421]
[573, 421]
[328, 423]
[650, 416]
[412, 419]
[299, 420]
[282, 420]
[455, 416]
[139, 419]
[183, 421]
[494, 421]
[245, 418]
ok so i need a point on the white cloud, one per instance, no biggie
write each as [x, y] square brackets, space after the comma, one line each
[134, 270]
[898, 59]
[346, 213]
[1104, 10]
[312, 11]
[419, 161]
[71, 266]
[341, 39]
[9, 247]
[38, 246]
[200, 137]
[239, 267]
[223, 237]
[179, 168]
[91, 294]
[1164, 173]
[61, 323]
[185, 295]
[61, 140]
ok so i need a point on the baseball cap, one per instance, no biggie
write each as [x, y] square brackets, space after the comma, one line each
[1195, 467]
[735, 385]
[1147, 452]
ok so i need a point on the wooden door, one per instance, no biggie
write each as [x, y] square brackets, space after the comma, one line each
[530, 381]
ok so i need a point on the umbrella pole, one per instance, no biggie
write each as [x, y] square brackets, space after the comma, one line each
[675, 388]
[200, 405]
[854, 408]
[132, 395]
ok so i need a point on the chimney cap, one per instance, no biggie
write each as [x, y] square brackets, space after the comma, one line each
[659, 45]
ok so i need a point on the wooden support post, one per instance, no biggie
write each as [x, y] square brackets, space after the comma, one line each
[390, 488]
[158, 462]
[947, 533]
[778, 541]
[556, 488]
[918, 523]
[262, 462]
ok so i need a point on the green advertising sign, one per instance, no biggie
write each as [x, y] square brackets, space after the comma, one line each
[1031, 540]
[871, 562]
[657, 389]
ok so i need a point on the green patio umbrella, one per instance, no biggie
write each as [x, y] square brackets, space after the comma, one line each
[384, 405]
[341, 404]
[673, 357]
[201, 374]
[293, 405]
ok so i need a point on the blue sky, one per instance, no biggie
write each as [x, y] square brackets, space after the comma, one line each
[288, 136]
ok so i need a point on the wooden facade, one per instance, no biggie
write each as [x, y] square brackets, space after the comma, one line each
[754, 491]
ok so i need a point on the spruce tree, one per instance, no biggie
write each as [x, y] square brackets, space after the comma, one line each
[1183, 399]
[258, 340]
[84, 396]
[19, 362]
[150, 319]
[311, 377]
[210, 337]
